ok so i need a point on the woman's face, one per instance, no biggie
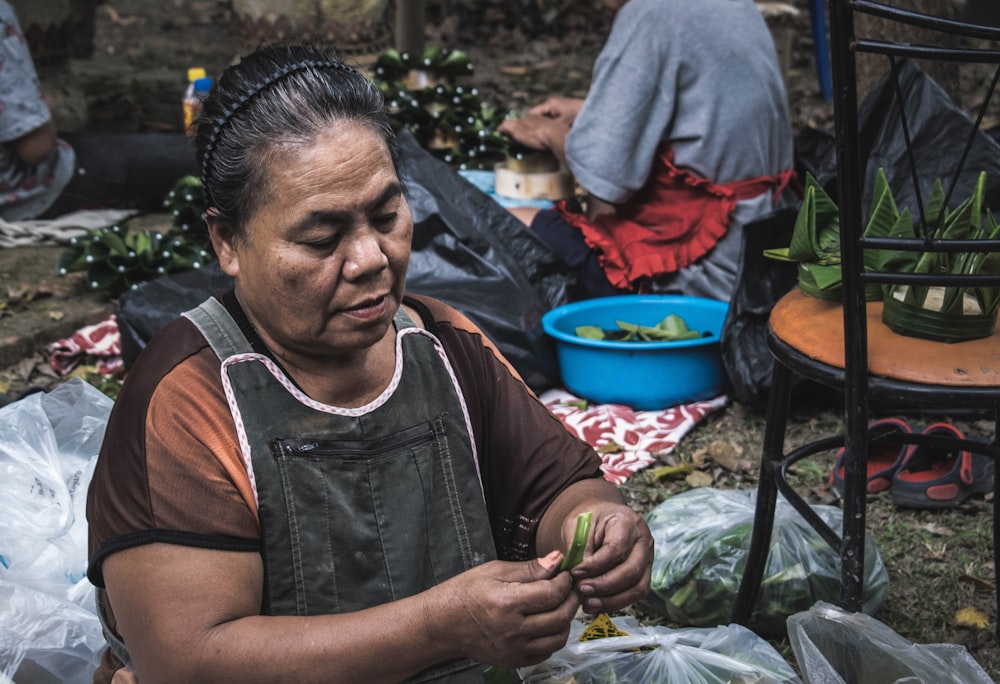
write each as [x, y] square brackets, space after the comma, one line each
[321, 268]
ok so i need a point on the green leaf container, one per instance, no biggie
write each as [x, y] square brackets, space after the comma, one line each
[913, 321]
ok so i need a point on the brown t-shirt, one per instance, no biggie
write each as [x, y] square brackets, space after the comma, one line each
[170, 469]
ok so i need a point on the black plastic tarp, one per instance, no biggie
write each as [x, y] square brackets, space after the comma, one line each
[938, 130]
[468, 251]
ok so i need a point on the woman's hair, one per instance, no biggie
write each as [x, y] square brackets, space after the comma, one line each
[278, 97]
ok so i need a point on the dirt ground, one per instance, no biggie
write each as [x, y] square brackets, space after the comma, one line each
[939, 564]
[512, 69]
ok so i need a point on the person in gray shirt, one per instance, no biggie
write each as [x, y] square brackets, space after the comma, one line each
[683, 137]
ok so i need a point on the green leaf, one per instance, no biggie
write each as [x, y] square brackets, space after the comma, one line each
[801, 247]
[778, 253]
[673, 327]
[883, 219]
[73, 258]
[821, 280]
[816, 234]
[579, 545]
[590, 332]
[934, 207]
[115, 244]
[898, 261]
[988, 263]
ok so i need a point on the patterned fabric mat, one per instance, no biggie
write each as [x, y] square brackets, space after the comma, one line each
[626, 439]
[99, 344]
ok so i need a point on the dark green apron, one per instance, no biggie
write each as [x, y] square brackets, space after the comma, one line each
[359, 506]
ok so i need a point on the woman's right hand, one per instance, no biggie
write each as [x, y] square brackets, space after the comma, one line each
[510, 614]
[564, 109]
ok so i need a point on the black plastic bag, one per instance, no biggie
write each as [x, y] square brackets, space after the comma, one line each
[468, 251]
[141, 312]
[938, 130]
[760, 283]
[471, 253]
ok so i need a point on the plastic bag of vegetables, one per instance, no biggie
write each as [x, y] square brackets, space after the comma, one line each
[702, 537]
[833, 646]
[639, 654]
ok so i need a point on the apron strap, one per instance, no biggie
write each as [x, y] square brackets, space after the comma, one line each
[219, 328]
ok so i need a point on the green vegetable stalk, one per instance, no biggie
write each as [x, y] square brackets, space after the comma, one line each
[579, 545]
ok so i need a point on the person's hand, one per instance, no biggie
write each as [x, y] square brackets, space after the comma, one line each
[511, 614]
[615, 571]
[536, 131]
[123, 675]
[564, 109]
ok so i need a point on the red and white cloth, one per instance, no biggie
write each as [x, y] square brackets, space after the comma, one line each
[641, 435]
[100, 342]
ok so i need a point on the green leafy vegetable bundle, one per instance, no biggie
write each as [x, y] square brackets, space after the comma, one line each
[673, 327]
[640, 654]
[702, 537]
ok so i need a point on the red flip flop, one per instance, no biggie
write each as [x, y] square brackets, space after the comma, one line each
[935, 477]
[883, 460]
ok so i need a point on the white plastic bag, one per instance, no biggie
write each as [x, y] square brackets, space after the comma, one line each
[832, 646]
[48, 448]
[702, 537]
[660, 655]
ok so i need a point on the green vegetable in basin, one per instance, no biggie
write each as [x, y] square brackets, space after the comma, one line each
[671, 328]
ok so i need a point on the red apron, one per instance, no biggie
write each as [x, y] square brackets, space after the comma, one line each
[671, 222]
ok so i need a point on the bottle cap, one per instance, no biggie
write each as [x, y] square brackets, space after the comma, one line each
[194, 73]
[203, 85]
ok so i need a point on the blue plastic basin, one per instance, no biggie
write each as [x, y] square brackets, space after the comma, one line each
[642, 375]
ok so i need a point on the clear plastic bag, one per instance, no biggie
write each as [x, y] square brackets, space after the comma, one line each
[48, 449]
[832, 646]
[702, 537]
[659, 655]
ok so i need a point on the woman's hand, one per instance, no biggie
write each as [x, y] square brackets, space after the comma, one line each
[616, 568]
[509, 614]
[615, 571]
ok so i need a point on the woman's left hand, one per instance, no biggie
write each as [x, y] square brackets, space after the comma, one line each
[615, 571]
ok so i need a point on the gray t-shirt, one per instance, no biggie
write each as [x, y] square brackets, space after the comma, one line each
[25, 191]
[704, 76]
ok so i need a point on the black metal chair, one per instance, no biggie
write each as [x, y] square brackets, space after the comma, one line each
[845, 345]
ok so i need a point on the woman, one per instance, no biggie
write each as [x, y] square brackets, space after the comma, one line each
[315, 477]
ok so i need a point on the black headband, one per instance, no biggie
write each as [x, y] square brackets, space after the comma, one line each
[234, 108]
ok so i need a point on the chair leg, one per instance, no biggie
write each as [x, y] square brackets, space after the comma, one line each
[767, 495]
[855, 503]
[996, 523]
